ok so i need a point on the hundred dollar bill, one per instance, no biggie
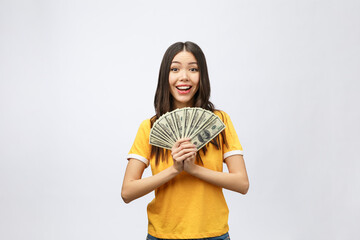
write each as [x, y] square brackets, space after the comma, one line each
[161, 135]
[178, 119]
[157, 143]
[203, 117]
[204, 122]
[171, 124]
[195, 117]
[164, 126]
[206, 134]
[190, 120]
[156, 138]
[187, 115]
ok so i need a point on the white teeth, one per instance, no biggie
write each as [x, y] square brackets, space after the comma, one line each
[183, 88]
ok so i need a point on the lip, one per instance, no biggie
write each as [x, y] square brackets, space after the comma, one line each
[183, 91]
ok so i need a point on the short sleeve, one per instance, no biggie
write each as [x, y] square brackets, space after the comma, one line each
[141, 148]
[233, 146]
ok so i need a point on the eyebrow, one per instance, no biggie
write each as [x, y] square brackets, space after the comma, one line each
[188, 63]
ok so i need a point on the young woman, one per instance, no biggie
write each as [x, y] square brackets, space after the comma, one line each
[189, 202]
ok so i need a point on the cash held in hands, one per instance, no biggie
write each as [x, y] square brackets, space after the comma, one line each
[198, 124]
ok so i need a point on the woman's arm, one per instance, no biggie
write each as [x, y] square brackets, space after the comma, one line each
[236, 179]
[134, 186]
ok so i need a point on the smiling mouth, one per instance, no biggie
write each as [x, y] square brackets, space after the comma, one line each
[183, 89]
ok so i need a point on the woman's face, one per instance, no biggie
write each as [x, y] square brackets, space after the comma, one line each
[184, 79]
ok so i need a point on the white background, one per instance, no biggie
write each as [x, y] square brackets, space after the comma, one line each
[78, 77]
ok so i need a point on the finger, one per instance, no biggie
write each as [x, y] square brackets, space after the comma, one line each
[187, 145]
[184, 156]
[192, 157]
[184, 151]
[182, 140]
[179, 142]
[176, 148]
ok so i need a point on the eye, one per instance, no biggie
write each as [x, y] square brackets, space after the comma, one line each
[193, 70]
[174, 69]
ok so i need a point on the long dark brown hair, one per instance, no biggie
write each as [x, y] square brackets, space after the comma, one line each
[163, 101]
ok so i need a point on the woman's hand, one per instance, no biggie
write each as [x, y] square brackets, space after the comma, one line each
[181, 151]
[189, 163]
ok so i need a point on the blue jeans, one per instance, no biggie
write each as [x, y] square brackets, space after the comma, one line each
[222, 237]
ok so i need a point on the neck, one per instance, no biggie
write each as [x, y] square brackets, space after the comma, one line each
[182, 105]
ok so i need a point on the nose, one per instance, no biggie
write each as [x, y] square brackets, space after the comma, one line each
[184, 76]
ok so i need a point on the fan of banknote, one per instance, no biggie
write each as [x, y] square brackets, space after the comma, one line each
[198, 124]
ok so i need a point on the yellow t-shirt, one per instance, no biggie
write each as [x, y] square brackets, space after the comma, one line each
[187, 207]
